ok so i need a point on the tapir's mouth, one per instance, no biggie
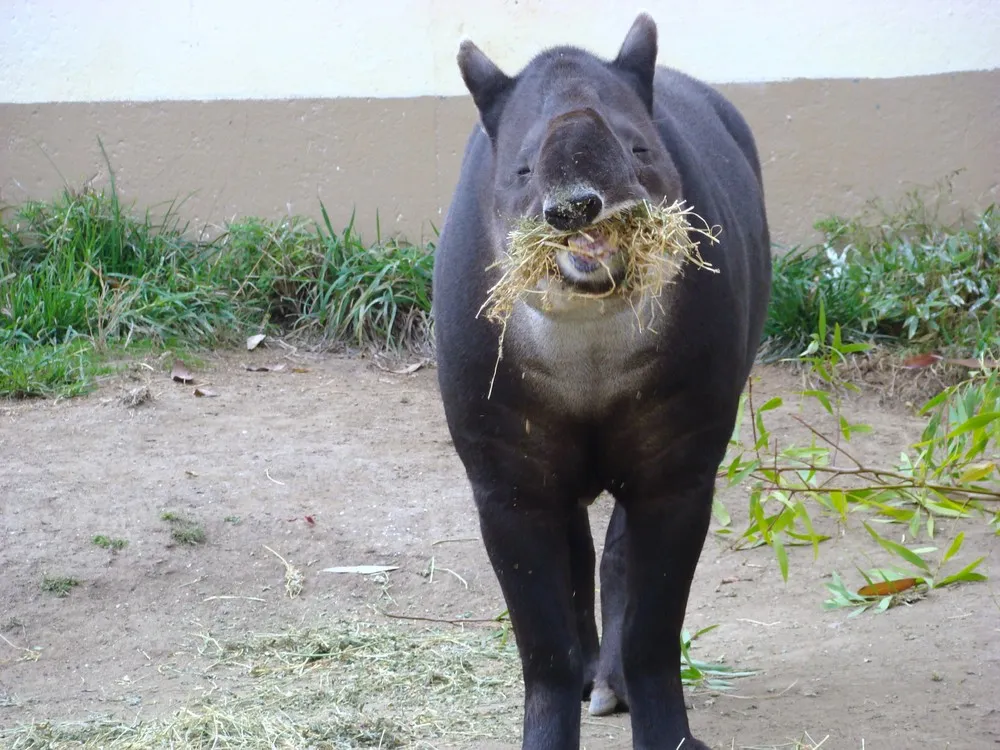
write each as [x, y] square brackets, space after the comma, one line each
[591, 261]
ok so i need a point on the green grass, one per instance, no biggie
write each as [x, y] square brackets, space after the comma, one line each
[56, 369]
[83, 275]
[110, 543]
[59, 585]
[899, 278]
[183, 530]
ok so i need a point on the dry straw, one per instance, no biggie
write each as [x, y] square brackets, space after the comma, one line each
[340, 686]
[655, 241]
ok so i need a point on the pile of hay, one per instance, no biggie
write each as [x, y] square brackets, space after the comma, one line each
[339, 686]
[655, 241]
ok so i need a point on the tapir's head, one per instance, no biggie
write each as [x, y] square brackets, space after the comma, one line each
[574, 142]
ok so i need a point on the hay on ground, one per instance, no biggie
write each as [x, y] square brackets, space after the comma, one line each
[342, 685]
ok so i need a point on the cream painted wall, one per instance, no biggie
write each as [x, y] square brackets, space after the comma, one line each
[148, 50]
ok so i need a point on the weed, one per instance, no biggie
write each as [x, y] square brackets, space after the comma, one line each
[188, 533]
[59, 585]
[110, 543]
[183, 530]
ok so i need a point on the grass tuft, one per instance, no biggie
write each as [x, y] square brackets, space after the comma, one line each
[110, 543]
[59, 585]
[183, 530]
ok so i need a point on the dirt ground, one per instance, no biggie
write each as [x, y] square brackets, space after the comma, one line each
[346, 464]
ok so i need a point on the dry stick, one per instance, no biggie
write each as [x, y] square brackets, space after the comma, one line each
[452, 621]
[28, 653]
[825, 439]
[905, 482]
[456, 539]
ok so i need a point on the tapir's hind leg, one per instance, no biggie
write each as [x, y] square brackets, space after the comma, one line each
[528, 545]
[608, 694]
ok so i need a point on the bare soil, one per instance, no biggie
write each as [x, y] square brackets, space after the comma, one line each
[346, 464]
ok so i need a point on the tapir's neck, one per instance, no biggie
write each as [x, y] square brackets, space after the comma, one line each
[584, 359]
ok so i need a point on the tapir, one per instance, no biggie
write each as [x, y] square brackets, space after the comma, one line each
[583, 401]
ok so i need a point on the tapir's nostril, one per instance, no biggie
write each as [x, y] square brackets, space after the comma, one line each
[574, 212]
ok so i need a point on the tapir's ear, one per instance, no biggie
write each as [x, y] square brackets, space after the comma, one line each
[486, 82]
[637, 56]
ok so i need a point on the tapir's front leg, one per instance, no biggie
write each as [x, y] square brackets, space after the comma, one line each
[666, 524]
[582, 559]
[528, 545]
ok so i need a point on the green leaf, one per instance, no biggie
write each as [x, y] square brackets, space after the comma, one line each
[899, 550]
[974, 423]
[779, 551]
[956, 544]
[965, 574]
[720, 512]
[976, 472]
[772, 403]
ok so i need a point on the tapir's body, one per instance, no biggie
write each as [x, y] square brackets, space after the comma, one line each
[583, 399]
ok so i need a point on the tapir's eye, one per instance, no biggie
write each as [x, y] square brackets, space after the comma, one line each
[638, 149]
[524, 171]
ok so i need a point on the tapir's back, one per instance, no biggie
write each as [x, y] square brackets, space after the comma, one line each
[716, 155]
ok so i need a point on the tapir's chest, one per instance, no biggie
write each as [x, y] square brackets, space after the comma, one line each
[583, 364]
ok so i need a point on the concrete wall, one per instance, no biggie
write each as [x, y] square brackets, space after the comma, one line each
[255, 107]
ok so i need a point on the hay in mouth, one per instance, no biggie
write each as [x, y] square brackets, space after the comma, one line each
[654, 240]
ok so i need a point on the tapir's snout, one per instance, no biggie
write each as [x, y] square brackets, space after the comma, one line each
[573, 210]
[583, 170]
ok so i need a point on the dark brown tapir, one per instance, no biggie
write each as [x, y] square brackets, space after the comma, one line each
[582, 401]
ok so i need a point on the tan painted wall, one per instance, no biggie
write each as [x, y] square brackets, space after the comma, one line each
[827, 146]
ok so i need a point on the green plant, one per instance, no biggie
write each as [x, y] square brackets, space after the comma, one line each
[84, 273]
[59, 585]
[710, 675]
[183, 530]
[381, 293]
[951, 473]
[60, 369]
[110, 543]
[894, 276]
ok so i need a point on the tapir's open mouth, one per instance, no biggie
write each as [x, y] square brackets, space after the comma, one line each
[591, 261]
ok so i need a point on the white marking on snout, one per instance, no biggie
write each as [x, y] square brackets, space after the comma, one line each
[609, 211]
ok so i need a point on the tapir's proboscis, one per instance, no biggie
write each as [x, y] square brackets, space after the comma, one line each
[583, 401]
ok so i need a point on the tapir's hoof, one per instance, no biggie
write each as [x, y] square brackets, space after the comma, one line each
[603, 700]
